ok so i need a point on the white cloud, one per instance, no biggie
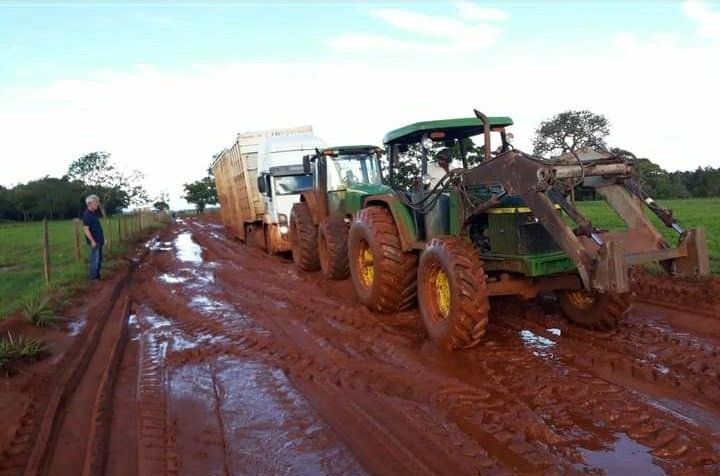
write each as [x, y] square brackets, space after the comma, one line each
[708, 20]
[473, 11]
[471, 30]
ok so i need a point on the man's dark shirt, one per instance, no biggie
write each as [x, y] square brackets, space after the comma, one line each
[90, 220]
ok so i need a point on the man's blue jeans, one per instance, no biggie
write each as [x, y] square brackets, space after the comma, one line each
[95, 261]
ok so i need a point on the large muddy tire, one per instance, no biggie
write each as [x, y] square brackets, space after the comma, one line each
[594, 310]
[383, 275]
[333, 248]
[303, 238]
[452, 293]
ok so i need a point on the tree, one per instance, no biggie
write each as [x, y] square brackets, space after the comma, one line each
[201, 192]
[161, 202]
[107, 181]
[571, 131]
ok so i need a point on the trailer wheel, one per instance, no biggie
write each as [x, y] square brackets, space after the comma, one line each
[333, 248]
[303, 238]
[452, 293]
[383, 275]
[601, 311]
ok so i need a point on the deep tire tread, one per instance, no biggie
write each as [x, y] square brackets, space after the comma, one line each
[335, 233]
[467, 322]
[396, 270]
[304, 238]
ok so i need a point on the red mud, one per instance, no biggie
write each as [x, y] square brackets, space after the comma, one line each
[212, 358]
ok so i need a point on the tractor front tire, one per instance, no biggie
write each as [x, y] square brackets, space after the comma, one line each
[384, 276]
[303, 238]
[333, 248]
[452, 293]
[601, 311]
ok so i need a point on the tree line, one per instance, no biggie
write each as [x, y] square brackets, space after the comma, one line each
[64, 197]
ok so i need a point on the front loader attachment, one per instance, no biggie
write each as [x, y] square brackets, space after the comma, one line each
[602, 258]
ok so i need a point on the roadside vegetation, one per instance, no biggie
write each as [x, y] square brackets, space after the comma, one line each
[22, 284]
[18, 349]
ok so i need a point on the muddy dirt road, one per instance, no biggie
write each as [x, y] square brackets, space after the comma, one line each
[210, 358]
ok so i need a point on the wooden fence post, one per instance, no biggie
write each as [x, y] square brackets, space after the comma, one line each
[46, 251]
[77, 239]
[120, 237]
[125, 227]
[141, 219]
[110, 233]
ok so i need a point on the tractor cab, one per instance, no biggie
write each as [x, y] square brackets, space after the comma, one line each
[463, 138]
[428, 145]
[343, 176]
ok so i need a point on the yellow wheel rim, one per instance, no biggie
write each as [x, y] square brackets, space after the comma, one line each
[366, 265]
[581, 299]
[442, 293]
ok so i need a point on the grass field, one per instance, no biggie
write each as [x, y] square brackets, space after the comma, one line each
[690, 213]
[21, 259]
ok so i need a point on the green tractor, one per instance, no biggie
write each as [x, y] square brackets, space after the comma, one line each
[503, 227]
[342, 178]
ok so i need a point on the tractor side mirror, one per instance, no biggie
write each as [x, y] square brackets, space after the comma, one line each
[306, 164]
[261, 183]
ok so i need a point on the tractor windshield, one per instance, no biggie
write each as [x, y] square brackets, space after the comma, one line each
[347, 170]
[290, 184]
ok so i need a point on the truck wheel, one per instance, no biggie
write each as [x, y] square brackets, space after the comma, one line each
[594, 310]
[332, 248]
[383, 275]
[303, 238]
[452, 294]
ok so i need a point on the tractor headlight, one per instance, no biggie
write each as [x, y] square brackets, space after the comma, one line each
[427, 143]
[283, 229]
[509, 138]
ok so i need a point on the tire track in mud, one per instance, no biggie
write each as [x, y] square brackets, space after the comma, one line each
[309, 367]
[663, 441]
[517, 453]
[199, 329]
[85, 378]
[674, 363]
[701, 295]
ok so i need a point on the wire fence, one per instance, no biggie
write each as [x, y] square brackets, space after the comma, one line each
[51, 257]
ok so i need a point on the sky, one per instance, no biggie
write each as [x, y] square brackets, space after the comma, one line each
[162, 86]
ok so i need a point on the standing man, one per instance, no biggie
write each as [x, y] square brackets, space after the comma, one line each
[93, 234]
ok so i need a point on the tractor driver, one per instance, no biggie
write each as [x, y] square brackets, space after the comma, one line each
[440, 167]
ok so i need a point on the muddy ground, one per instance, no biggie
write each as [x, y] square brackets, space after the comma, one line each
[211, 358]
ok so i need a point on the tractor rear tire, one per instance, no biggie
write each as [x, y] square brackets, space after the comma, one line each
[304, 238]
[333, 248]
[384, 276]
[601, 311]
[452, 293]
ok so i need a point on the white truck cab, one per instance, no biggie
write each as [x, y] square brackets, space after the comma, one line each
[281, 179]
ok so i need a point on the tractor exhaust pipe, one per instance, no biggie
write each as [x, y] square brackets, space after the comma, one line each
[486, 133]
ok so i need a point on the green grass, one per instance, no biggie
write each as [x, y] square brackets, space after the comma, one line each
[21, 261]
[690, 213]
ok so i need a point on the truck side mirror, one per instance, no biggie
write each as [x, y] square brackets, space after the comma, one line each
[306, 165]
[261, 183]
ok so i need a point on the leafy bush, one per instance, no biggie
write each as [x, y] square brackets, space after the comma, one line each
[14, 349]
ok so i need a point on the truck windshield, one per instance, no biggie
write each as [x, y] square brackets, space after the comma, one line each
[290, 184]
[352, 169]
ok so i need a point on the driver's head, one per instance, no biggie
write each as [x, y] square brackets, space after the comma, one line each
[443, 158]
